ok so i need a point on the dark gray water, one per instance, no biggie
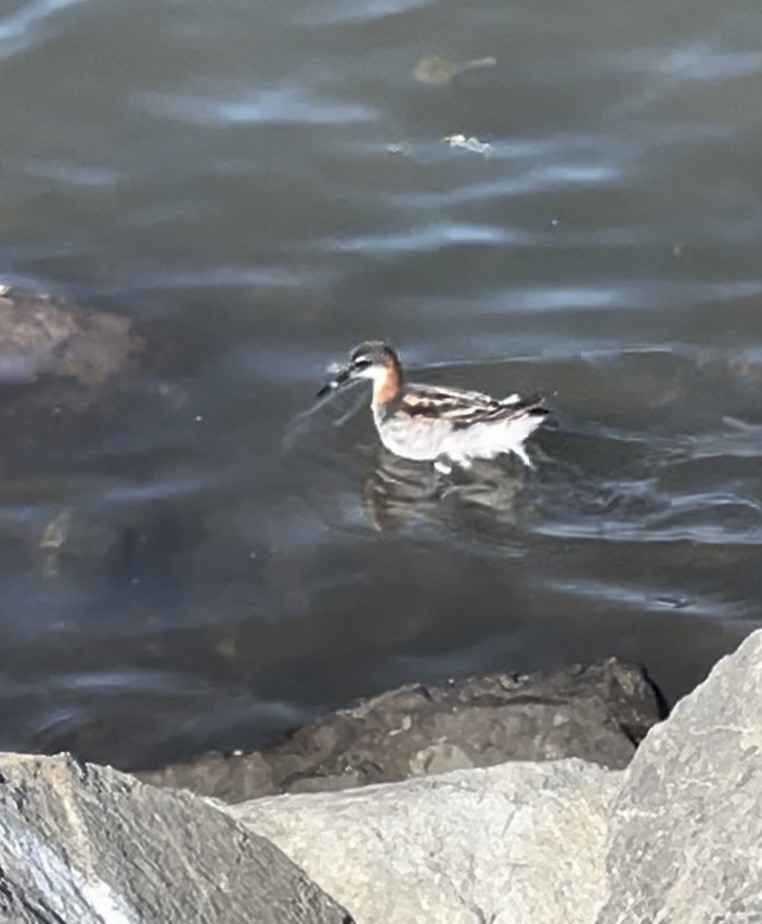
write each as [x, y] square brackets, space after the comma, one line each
[260, 186]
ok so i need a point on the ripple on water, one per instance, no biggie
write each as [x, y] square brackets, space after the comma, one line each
[30, 25]
[223, 173]
[296, 105]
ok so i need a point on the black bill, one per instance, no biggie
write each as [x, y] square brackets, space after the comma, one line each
[341, 378]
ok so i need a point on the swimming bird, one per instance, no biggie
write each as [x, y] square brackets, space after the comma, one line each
[446, 426]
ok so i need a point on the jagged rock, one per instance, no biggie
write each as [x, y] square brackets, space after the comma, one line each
[516, 844]
[673, 838]
[81, 844]
[598, 713]
[685, 836]
[44, 335]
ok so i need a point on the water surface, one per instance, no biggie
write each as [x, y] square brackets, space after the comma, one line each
[260, 186]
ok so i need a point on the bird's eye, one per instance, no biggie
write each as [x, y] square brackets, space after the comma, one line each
[362, 363]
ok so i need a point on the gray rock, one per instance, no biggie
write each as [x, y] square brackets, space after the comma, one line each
[515, 844]
[81, 844]
[687, 827]
[44, 335]
[598, 713]
[674, 838]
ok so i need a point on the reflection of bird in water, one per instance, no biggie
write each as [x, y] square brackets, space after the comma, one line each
[428, 423]
[399, 491]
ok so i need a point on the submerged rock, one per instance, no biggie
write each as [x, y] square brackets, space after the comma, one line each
[436, 70]
[54, 536]
[598, 713]
[42, 335]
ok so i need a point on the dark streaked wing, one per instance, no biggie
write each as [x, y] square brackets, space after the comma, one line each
[465, 408]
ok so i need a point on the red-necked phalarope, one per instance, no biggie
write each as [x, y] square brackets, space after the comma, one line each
[428, 423]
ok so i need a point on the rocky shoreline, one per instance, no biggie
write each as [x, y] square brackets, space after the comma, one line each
[598, 712]
[515, 803]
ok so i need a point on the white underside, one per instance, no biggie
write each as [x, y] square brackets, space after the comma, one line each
[431, 440]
